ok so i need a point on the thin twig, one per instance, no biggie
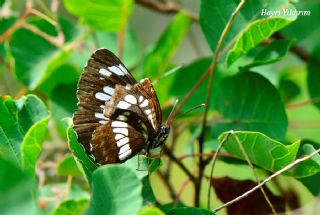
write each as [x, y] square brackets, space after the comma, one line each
[57, 41]
[213, 164]
[120, 42]
[267, 180]
[166, 7]
[211, 70]
[253, 170]
[303, 104]
[43, 16]
[178, 162]
[195, 155]
[181, 189]
[167, 183]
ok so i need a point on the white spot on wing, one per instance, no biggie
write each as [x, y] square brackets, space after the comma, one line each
[131, 99]
[140, 99]
[119, 124]
[108, 90]
[148, 111]
[124, 148]
[125, 155]
[100, 116]
[122, 142]
[123, 105]
[104, 72]
[122, 118]
[102, 96]
[123, 68]
[116, 70]
[145, 103]
[123, 131]
[119, 136]
[128, 87]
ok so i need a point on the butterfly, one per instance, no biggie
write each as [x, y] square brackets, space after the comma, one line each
[117, 117]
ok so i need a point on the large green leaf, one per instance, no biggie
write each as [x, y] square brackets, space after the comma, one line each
[77, 149]
[116, 190]
[158, 58]
[248, 101]
[271, 53]
[249, 27]
[189, 210]
[313, 79]
[255, 33]
[23, 125]
[107, 15]
[35, 57]
[271, 154]
[15, 190]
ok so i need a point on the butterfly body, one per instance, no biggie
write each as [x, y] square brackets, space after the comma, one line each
[117, 117]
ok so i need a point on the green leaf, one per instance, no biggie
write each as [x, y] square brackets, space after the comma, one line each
[313, 80]
[271, 53]
[262, 150]
[151, 211]
[288, 89]
[158, 59]
[214, 15]
[311, 183]
[248, 101]
[35, 57]
[15, 190]
[309, 167]
[77, 149]
[147, 192]
[169, 206]
[71, 207]
[116, 190]
[255, 33]
[189, 210]
[23, 125]
[106, 15]
[68, 166]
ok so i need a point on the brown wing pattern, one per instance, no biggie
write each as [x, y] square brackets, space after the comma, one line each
[96, 86]
[115, 142]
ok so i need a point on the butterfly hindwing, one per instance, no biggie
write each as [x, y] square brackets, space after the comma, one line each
[115, 142]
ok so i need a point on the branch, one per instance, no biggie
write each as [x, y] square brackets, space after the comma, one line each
[167, 7]
[211, 71]
[178, 162]
[267, 180]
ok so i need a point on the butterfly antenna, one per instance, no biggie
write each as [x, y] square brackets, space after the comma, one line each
[170, 72]
[170, 118]
[192, 109]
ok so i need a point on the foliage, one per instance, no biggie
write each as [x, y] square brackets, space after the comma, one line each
[257, 75]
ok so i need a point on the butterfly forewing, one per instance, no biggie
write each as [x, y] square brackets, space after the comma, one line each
[96, 86]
